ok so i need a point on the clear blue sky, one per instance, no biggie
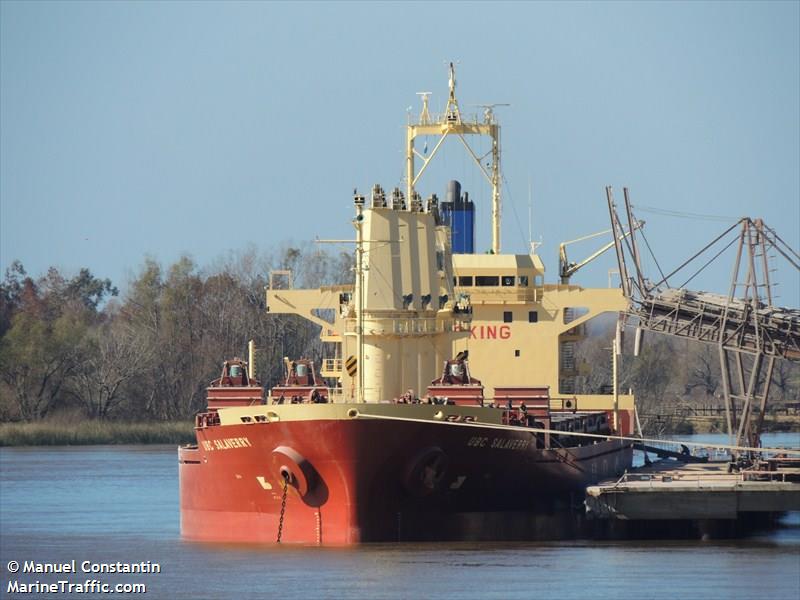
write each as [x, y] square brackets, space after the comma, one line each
[134, 129]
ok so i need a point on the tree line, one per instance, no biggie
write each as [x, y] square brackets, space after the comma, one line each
[671, 375]
[76, 346]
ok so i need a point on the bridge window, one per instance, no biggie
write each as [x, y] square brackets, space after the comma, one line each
[522, 281]
[508, 280]
[533, 317]
[465, 280]
[487, 280]
[507, 316]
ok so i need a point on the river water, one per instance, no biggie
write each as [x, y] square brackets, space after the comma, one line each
[104, 504]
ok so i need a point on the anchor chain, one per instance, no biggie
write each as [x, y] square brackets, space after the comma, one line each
[283, 506]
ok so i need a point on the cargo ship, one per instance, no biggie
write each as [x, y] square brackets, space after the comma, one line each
[446, 409]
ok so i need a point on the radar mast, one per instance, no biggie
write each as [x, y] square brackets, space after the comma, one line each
[451, 123]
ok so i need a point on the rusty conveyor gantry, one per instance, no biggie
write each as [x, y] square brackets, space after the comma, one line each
[750, 332]
[769, 330]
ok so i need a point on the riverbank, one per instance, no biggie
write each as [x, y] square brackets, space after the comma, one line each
[94, 432]
[700, 425]
[87, 433]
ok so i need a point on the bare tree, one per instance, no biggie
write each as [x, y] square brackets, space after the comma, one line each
[650, 376]
[704, 371]
[115, 354]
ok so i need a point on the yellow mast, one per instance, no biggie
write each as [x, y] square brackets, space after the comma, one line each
[251, 359]
[451, 123]
[358, 223]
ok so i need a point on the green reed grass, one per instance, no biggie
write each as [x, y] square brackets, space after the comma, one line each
[95, 432]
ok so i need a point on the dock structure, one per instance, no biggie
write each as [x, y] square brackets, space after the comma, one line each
[748, 329]
[666, 490]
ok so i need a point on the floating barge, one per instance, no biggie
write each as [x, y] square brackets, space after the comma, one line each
[695, 497]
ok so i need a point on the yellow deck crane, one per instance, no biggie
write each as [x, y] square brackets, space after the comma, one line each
[567, 269]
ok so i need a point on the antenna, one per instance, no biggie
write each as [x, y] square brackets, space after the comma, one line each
[424, 115]
[530, 215]
[452, 112]
[532, 246]
[488, 110]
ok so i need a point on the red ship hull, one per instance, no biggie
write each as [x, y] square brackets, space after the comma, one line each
[379, 480]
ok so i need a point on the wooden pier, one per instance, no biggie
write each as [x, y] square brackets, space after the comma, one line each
[667, 490]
